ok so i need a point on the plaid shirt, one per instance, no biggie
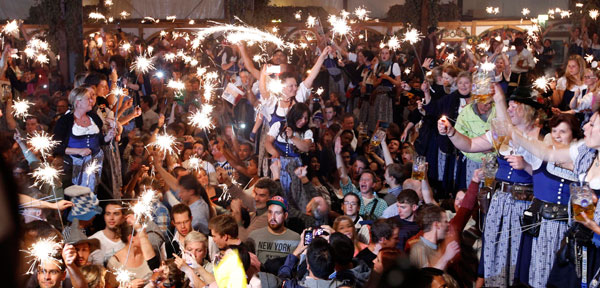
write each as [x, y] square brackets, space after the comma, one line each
[365, 209]
[225, 165]
[161, 217]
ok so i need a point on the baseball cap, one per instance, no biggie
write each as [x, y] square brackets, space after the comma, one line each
[278, 200]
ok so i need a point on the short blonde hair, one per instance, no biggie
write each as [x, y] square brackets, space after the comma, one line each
[94, 275]
[195, 236]
[76, 94]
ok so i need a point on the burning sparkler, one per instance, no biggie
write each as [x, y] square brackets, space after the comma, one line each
[361, 13]
[320, 91]
[275, 86]
[492, 10]
[11, 28]
[394, 43]
[45, 174]
[525, 11]
[311, 21]
[44, 251]
[488, 66]
[201, 118]
[42, 143]
[21, 108]
[165, 143]
[143, 208]
[450, 59]
[298, 15]
[108, 3]
[176, 84]
[412, 36]
[142, 64]
[97, 16]
[339, 25]
[42, 59]
[171, 18]
[594, 14]
[543, 83]
[92, 167]
[124, 14]
[589, 58]
[123, 276]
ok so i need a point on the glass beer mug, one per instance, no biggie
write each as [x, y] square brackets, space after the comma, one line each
[582, 201]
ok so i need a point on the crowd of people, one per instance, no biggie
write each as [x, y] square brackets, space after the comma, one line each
[312, 185]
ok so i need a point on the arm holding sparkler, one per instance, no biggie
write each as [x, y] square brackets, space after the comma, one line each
[170, 180]
[27, 201]
[462, 142]
[339, 162]
[247, 61]
[137, 112]
[314, 71]
[10, 119]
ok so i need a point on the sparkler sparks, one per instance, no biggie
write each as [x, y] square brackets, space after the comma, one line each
[42, 143]
[339, 25]
[201, 118]
[412, 36]
[11, 28]
[298, 15]
[42, 59]
[492, 10]
[126, 46]
[589, 58]
[124, 14]
[108, 3]
[394, 43]
[594, 14]
[525, 11]
[450, 59]
[238, 33]
[92, 167]
[194, 162]
[275, 86]
[44, 251]
[21, 108]
[320, 91]
[543, 83]
[45, 174]
[176, 84]
[97, 16]
[311, 21]
[142, 210]
[488, 66]
[171, 18]
[565, 14]
[361, 13]
[142, 64]
[165, 143]
[123, 276]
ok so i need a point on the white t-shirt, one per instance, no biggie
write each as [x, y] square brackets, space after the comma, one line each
[274, 132]
[107, 246]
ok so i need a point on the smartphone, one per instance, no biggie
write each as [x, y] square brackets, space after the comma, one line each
[308, 237]
[384, 125]
[273, 69]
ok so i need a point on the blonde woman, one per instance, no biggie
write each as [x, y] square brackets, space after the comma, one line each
[588, 102]
[570, 84]
[81, 137]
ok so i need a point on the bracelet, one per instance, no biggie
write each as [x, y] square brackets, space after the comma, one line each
[450, 136]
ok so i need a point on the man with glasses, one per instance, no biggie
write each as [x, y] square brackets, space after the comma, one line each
[181, 219]
[351, 206]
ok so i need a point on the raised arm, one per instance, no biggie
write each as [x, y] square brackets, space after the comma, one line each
[540, 149]
[169, 179]
[339, 162]
[247, 61]
[314, 71]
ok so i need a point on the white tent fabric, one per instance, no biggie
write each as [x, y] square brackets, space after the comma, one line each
[160, 9]
[10, 9]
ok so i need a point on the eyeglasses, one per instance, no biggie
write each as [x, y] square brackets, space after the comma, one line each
[350, 203]
[52, 272]
[589, 77]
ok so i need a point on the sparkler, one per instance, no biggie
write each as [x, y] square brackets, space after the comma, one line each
[126, 46]
[45, 174]
[394, 43]
[111, 19]
[492, 10]
[200, 71]
[194, 162]
[21, 108]
[237, 33]
[171, 18]
[192, 22]
[176, 84]
[525, 11]
[275, 86]
[165, 143]
[42, 143]
[578, 5]
[143, 208]
[11, 28]
[170, 57]
[565, 14]
[92, 167]
[201, 118]
[298, 15]
[142, 64]
[320, 91]
[338, 25]
[42, 59]
[108, 3]
[43, 251]
[124, 14]
[361, 13]
[97, 16]
[450, 59]
[543, 83]
[123, 276]
[311, 21]
[407, 70]
[488, 66]
[589, 58]
[412, 36]
[594, 14]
